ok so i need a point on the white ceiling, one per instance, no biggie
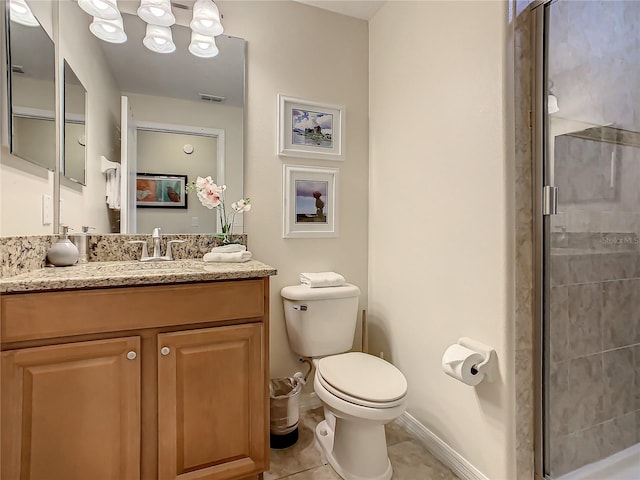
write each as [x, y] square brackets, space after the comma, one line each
[364, 9]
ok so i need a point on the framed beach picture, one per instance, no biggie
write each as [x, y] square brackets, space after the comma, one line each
[310, 201]
[161, 190]
[310, 129]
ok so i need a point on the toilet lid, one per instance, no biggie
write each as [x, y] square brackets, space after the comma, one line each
[363, 376]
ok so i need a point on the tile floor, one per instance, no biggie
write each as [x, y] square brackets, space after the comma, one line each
[305, 461]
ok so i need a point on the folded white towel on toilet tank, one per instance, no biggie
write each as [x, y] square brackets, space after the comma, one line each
[322, 279]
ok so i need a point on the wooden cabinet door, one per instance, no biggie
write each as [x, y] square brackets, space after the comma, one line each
[212, 403]
[72, 411]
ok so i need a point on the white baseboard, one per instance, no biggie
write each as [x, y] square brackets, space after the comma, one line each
[309, 401]
[441, 450]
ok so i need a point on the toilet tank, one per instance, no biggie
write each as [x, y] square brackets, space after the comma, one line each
[320, 321]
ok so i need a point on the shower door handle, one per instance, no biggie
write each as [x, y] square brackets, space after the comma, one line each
[549, 200]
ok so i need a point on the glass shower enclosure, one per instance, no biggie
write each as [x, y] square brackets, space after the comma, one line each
[588, 169]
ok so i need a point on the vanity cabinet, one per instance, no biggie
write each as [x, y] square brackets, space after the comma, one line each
[210, 408]
[157, 382]
[79, 397]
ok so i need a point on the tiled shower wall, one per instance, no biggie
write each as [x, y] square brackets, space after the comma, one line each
[594, 326]
[595, 348]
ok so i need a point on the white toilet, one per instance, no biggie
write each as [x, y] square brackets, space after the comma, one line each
[360, 392]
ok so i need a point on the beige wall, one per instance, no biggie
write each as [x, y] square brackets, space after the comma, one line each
[440, 225]
[301, 51]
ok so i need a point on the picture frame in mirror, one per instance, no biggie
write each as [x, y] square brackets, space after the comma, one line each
[157, 190]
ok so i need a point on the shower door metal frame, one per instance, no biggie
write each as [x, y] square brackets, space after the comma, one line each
[542, 176]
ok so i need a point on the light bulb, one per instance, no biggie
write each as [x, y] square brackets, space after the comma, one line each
[156, 12]
[101, 9]
[111, 31]
[206, 19]
[159, 39]
[203, 46]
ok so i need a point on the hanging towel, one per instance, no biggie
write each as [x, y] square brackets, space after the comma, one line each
[234, 257]
[322, 279]
[113, 186]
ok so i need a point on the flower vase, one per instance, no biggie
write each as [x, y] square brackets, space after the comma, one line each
[227, 238]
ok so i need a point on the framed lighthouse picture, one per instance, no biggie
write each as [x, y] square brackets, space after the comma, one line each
[309, 129]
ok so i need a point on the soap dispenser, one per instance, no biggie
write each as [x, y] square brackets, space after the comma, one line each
[63, 253]
[81, 241]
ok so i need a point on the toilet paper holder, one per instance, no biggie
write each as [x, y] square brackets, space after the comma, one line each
[486, 366]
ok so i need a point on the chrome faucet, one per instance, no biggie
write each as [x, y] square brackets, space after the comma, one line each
[156, 236]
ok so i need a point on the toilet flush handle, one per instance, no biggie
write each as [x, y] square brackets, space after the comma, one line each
[301, 308]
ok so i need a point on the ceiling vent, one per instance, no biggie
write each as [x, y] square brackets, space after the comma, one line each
[17, 68]
[211, 98]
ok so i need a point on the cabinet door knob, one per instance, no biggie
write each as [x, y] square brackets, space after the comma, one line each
[131, 355]
[165, 351]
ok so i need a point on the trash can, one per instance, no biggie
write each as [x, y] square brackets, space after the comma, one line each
[284, 395]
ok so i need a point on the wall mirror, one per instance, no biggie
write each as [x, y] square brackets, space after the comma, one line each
[195, 105]
[75, 138]
[31, 88]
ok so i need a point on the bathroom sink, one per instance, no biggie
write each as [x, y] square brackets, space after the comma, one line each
[149, 267]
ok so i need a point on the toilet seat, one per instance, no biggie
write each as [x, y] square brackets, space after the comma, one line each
[362, 379]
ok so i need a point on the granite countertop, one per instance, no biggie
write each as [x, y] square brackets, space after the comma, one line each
[131, 273]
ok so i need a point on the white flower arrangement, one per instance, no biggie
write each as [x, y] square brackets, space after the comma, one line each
[212, 196]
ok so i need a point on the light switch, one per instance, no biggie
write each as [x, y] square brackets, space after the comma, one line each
[194, 221]
[47, 210]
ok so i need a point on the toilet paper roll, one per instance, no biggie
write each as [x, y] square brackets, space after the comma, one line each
[460, 363]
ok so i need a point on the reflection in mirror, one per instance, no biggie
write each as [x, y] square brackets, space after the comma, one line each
[74, 158]
[159, 151]
[176, 92]
[31, 90]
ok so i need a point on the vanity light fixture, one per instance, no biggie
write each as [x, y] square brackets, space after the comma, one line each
[107, 24]
[159, 39]
[21, 13]
[111, 31]
[156, 12]
[206, 18]
[105, 9]
[203, 46]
